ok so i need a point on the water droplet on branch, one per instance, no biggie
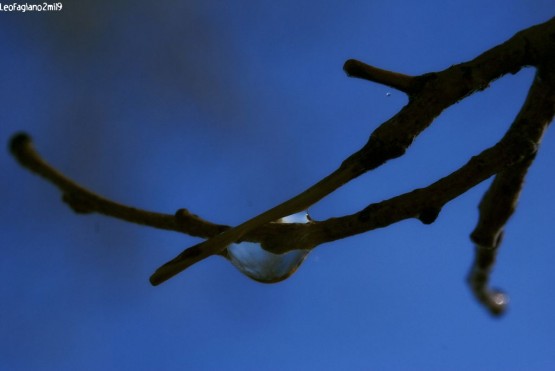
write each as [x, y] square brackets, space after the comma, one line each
[263, 266]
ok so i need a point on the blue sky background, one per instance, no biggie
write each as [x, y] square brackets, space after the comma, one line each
[228, 109]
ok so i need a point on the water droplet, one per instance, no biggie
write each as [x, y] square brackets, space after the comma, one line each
[263, 266]
[500, 298]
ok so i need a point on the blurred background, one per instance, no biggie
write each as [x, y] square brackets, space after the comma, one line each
[228, 109]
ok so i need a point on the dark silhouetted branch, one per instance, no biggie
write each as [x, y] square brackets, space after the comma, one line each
[501, 199]
[390, 140]
[429, 94]
[83, 201]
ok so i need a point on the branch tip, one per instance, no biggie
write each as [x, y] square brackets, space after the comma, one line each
[495, 301]
[355, 68]
[498, 303]
[350, 66]
[19, 141]
[176, 265]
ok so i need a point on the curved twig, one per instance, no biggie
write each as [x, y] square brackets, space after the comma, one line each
[83, 201]
[499, 202]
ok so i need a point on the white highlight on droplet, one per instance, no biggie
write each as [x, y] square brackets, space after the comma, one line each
[500, 299]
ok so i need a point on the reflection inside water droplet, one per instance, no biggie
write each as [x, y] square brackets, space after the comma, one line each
[263, 266]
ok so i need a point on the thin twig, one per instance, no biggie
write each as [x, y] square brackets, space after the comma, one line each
[81, 200]
[396, 80]
[499, 202]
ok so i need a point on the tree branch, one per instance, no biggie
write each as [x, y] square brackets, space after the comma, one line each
[429, 95]
[517, 147]
[497, 206]
[391, 139]
[83, 201]
[499, 202]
